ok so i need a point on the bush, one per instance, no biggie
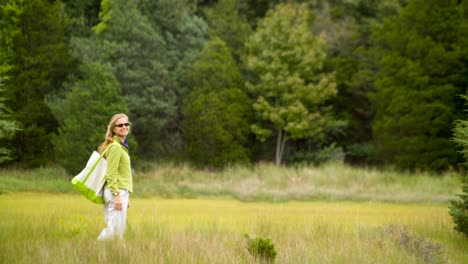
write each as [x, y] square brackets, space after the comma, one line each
[459, 210]
[422, 247]
[331, 153]
[261, 248]
[365, 153]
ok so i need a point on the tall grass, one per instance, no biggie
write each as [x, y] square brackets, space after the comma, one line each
[50, 228]
[333, 181]
[48, 179]
[262, 182]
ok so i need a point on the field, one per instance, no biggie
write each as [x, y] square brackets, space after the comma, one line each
[262, 182]
[328, 214]
[62, 228]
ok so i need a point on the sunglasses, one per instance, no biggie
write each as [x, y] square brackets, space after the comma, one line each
[122, 125]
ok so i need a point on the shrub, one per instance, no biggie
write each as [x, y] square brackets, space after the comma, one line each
[331, 153]
[428, 250]
[261, 248]
[459, 210]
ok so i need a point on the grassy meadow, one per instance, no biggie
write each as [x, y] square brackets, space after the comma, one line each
[262, 182]
[327, 214]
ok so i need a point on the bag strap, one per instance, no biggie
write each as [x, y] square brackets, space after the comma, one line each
[95, 164]
[105, 150]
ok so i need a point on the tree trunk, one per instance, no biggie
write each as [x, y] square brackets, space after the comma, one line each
[280, 142]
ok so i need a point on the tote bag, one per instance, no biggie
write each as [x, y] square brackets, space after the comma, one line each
[90, 181]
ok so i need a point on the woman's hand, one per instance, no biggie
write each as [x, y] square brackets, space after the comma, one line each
[118, 202]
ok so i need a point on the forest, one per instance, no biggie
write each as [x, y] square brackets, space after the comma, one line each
[223, 82]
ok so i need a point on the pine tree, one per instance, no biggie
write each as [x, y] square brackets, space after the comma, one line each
[458, 209]
[291, 87]
[216, 113]
[347, 25]
[228, 24]
[84, 15]
[91, 101]
[421, 74]
[136, 52]
[37, 62]
[185, 34]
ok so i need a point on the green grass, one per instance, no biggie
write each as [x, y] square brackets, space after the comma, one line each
[51, 179]
[262, 182]
[62, 228]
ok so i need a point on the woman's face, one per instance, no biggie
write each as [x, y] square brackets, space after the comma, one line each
[121, 127]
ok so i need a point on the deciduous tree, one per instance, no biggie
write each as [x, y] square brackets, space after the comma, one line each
[292, 88]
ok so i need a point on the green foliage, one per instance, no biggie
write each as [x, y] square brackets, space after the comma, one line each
[364, 153]
[261, 248]
[87, 108]
[395, 85]
[136, 52]
[460, 137]
[331, 153]
[458, 209]
[227, 23]
[150, 57]
[84, 14]
[291, 86]
[8, 129]
[217, 111]
[37, 62]
[215, 68]
[9, 31]
[347, 27]
[421, 74]
[185, 34]
[255, 10]
[215, 127]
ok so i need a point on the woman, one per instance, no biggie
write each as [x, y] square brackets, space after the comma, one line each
[119, 183]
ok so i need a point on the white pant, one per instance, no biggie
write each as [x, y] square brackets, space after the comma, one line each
[115, 219]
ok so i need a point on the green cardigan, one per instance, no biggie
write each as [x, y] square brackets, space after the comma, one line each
[119, 171]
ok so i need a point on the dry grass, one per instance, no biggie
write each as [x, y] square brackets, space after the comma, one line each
[49, 228]
[268, 182]
[261, 182]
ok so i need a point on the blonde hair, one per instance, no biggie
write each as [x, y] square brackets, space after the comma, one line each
[109, 136]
